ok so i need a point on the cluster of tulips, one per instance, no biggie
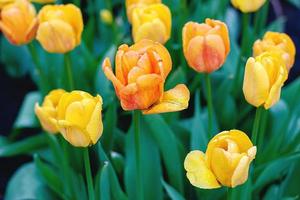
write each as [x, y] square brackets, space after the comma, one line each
[140, 74]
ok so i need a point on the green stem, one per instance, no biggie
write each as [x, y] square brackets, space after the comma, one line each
[229, 193]
[209, 105]
[261, 18]
[68, 71]
[245, 24]
[136, 125]
[41, 82]
[88, 174]
[256, 124]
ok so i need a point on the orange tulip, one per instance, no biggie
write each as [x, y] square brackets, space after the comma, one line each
[18, 22]
[141, 70]
[279, 42]
[132, 4]
[205, 45]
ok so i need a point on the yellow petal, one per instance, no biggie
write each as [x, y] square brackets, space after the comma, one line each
[240, 174]
[198, 173]
[256, 83]
[74, 135]
[56, 36]
[95, 125]
[275, 91]
[173, 100]
[47, 121]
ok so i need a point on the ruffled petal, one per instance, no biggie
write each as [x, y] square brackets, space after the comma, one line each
[173, 100]
[198, 173]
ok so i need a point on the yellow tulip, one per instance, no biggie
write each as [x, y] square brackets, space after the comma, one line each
[206, 45]
[226, 161]
[151, 22]
[47, 113]
[60, 28]
[132, 4]
[247, 6]
[18, 22]
[106, 16]
[79, 118]
[141, 70]
[263, 79]
[279, 42]
[5, 2]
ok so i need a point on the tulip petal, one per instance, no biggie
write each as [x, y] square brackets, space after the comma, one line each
[74, 135]
[106, 67]
[256, 83]
[206, 54]
[240, 174]
[191, 30]
[275, 91]
[173, 100]
[45, 118]
[95, 125]
[56, 36]
[198, 173]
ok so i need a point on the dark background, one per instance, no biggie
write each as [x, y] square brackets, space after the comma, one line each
[13, 90]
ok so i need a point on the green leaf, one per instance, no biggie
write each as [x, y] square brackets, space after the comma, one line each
[176, 77]
[199, 138]
[26, 117]
[104, 183]
[50, 177]
[167, 143]
[28, 145]
[277, 25]
[274, 169]
[27, 184]
[150, 165]
[295, 3]
[173, 194]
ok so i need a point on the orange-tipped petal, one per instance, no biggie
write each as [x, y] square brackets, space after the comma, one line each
[173, 100]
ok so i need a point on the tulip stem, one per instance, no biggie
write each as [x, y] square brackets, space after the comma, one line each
[39, 70]
[209, 105]
[136, 126]
[88, 173]
[257, 120]
[245, 40]
[68, 71]
[229, 193]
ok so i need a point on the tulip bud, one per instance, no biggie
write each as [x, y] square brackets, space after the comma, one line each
[151, 22]
[279, 42]
[18, 22]
[263, 79]
[79, 118]
[47, 113]
[247, 6]
[60, 28]
[226, 161]
[132, 4]
[205, 45]
[106, 16]
[141, 70]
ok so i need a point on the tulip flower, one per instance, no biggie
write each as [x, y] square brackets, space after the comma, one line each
[60, 28]
[47, 113]
[247, 6]
[18, 22]
[5, 2]
[141, 70]
[151, 22]
[205, 45]
[132, 4]
[79, 118]
[263, 79]
[280, 42]
[226, 161]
